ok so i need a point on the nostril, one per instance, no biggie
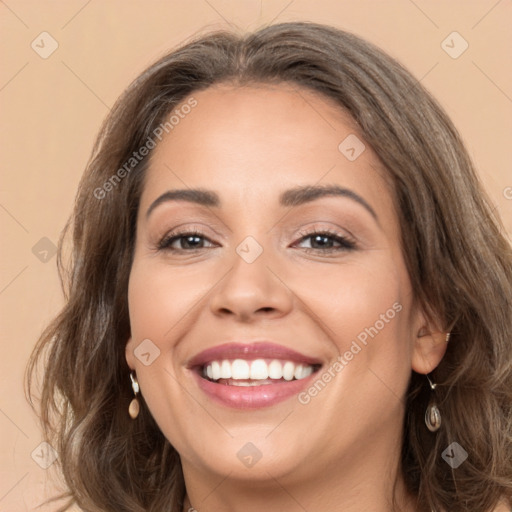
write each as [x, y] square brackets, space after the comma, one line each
[267, 309]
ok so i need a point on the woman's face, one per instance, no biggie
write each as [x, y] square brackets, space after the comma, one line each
[274, 283]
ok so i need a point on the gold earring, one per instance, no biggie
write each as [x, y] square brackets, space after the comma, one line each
[134, 408]
[432, 414]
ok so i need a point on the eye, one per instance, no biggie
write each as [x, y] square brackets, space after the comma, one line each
[327, 241]
[189, 241]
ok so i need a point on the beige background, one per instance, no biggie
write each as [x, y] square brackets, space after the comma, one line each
[52, 109]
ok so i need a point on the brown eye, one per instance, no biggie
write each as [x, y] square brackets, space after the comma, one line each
[186, 241]
[327, 241]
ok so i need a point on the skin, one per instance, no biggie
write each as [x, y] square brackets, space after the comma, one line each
[341, 450]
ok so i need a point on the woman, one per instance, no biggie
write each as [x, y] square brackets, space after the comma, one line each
[288, 291]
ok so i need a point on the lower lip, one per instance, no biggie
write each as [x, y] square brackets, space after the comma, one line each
[252, 397]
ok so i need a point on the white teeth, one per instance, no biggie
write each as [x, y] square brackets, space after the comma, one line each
[249, 384]
[288, 370]
[239, 369]
[215, 370]
[275, 370]
[225, 370]
[256, 370]
[259, 370]
[306, 372]
[301, 372]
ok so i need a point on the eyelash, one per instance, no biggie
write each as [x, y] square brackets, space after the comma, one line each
[346, 244]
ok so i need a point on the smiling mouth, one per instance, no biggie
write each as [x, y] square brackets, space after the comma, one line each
[252, 375]
[256, 372]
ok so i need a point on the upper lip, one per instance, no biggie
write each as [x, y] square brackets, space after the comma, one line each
[250, 351]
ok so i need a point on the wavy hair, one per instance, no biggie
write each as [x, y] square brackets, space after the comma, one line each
[457, 255]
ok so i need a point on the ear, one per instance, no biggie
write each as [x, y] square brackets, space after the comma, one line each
[429, 348]
[129, 353]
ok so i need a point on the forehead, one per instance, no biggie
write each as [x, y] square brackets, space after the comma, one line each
[255, 141]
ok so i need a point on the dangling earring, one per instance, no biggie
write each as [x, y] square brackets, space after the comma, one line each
[432, 414]
[134, 408]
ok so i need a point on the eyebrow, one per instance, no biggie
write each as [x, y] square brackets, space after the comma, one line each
[290, 198]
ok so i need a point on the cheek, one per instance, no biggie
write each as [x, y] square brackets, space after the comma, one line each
[351, 297]
[160, 295]
[364, 310]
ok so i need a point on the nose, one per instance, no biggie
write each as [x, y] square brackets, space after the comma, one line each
[251, 291]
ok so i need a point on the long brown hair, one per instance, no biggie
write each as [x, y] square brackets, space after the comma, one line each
[458, 258]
